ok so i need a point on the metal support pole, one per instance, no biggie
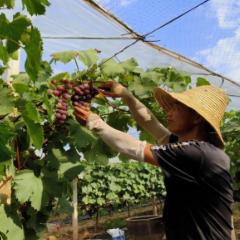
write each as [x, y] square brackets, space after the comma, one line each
[14, 66]
[75, 211]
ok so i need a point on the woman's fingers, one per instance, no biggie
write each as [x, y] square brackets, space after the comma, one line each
[81, 115]
[106, 89]
[111, 89]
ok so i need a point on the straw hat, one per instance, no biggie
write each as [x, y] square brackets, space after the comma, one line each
[209, 101]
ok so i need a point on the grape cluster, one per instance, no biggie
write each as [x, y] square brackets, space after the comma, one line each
[80, 95]
[83, 96]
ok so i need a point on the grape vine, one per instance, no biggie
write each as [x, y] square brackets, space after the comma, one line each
[43, 148]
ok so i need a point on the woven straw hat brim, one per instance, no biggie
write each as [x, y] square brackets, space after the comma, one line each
[209, 101]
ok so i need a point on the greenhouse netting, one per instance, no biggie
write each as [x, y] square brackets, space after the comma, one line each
[84, 24]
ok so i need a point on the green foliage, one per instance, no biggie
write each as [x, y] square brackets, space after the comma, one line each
[119, 185]
[42, 158]
[231, 134]
[10, 223]
[201, 82]
[35, 7]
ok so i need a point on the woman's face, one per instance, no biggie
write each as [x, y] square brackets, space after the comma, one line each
[181, 119]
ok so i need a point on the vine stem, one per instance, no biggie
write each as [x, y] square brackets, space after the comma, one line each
[19, 168]
[18, 156]
[77, 64]
[5, 181]
[12, 41]
[108, 103]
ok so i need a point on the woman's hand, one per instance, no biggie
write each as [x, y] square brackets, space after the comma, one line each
[81, 115]
[113, 89]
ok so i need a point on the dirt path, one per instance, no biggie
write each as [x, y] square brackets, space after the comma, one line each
[86, 228]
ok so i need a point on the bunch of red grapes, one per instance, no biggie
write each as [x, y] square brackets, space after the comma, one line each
[80, 95]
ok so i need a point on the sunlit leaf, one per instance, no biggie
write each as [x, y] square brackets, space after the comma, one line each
[65, 56]
[88, 57]
[81, 135]
[34, 53]
[111, 68]
[7, 3]
[13, 31]
[37, 7]
[202, 81]
[10, 223]
[6, 103]
[38, 190]
[35, 131]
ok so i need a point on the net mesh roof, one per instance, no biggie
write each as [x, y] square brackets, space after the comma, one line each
[210, 50]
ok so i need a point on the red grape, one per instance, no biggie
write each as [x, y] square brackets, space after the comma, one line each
[58, 115]
[81, 96]
[54, 81]
[60, 87]
[86, 91]
[50, 90]
[88, 96]
[63, 117]
[56, 93]
[68, 86]
[65, 96]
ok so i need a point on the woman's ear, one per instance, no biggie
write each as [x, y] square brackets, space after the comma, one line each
[198, 118]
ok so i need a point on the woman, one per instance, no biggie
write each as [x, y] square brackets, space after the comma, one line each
[198, 182]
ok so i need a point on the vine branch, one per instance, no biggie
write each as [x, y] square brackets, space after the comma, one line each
[108, 103]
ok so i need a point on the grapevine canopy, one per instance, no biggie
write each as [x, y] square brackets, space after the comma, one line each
[80, 25]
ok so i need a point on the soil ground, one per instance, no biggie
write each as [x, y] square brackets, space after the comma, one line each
[86, 228]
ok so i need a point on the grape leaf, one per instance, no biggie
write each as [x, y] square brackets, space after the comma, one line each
[129, 65]
[36, 7]
[145, 136]
[112, 196]
[152, 76]
[37, 189]
[7, 3]
[80, 134]
[33, 49]
[71, 170]
[10, 223]
[32, 112]
[6, 103]
[37, 219]
[15, 55]
[4, 55]
[176, 81]
[202, 81]
[47, 104]
[35, 131]
[13, 30]
[5, 136]
[65, 56]
[3, 236]
[2, 70]
[88, 57]
[63, 205]
[99, 153]
[141, 90]
[56, 156]
[119, 121]
[111, 68]
[20, 82]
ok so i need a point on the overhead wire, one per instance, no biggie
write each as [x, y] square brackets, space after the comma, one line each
[143, 37]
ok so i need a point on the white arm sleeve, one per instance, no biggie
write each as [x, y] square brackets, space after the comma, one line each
[119, 141]
[144, 117]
